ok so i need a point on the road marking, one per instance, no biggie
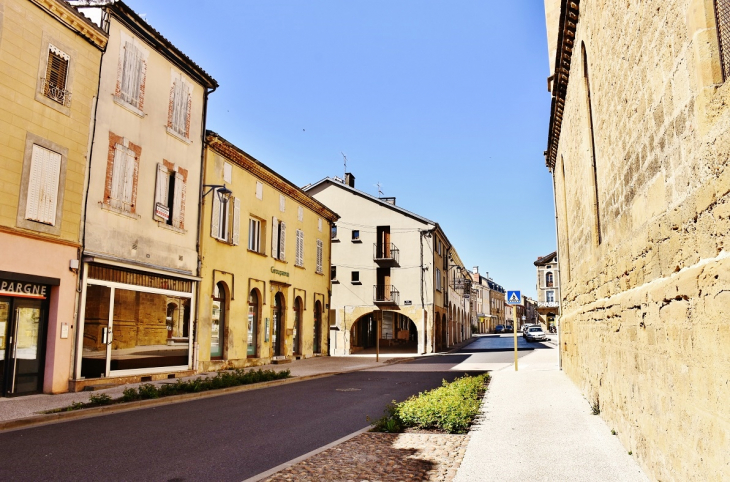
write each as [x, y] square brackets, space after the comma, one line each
[288, 464]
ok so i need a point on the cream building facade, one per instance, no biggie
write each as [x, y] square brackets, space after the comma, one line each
[548, 289]
[638, 142]
[390, 280]
[265, 264]
[140, 265]
[49, 59]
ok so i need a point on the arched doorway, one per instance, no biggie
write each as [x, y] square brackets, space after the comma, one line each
[317, 340]
[253, 324]
[398, 334]
[218, 316]
[297, 338]
[277, 340]
[363, 333]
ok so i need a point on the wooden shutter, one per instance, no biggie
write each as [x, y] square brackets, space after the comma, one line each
[215, 217]
[42, 199]
[282, 240]
[259, 190]
[236, 221]
[274, 237]
[118, 169]
[180, 107]
[282, 203]
[128, 179]
[131, 74]
[300, 213]
[300, 248]
[162, 184]
[178, 200]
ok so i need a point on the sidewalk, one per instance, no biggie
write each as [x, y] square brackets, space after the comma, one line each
[30, 405]
[537, 426]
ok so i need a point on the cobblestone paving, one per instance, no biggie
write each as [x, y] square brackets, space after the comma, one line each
[383, 457]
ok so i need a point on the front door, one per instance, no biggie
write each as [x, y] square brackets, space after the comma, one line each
[22, 329]
[277, 339]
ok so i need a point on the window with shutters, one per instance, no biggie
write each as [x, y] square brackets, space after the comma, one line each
[282, 203]
[178, 115]
[299, 261]
[438, 279]
[120, 192]
[220, 219]
[170, 191]
[320, 253]
[42, 200]
[300, 213]
[254, 235]
[131, 78]
[278, 239]
[56, 78]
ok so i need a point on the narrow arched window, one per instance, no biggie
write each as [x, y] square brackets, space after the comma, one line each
[549, 279]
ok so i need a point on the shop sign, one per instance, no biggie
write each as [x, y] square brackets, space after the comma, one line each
[279, 272]
[162, 211]
[547, 304]
[19, 289]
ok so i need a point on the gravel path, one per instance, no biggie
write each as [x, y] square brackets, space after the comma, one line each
[382, 457]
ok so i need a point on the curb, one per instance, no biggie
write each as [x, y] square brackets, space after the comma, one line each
[51, 418]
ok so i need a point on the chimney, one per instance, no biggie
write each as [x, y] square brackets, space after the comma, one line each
[349, 179]
[389, 200]
[476, 269]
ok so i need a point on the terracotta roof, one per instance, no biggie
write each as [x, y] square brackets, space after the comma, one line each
[546, 259]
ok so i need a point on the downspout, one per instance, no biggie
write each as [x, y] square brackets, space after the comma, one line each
[196, 347]
[560, 259]
[82, 227]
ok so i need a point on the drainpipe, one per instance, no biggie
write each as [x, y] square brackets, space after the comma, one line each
[560, 258]
[199, 241]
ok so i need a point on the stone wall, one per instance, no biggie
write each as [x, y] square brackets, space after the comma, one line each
[645, 274]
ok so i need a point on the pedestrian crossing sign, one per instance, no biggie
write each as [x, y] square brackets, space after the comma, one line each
[513, 298]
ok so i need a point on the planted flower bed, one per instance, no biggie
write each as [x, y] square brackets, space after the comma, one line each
[148, 391]
[450, 408]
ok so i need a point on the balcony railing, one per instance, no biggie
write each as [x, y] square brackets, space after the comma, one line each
[53, 92]
[386, 254]
[386, 294]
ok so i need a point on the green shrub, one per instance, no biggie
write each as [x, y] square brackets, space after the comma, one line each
[130, 395]
[147, 391]
[100, 399]
[450, 408]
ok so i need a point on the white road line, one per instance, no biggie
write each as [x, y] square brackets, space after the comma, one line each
[285, 465]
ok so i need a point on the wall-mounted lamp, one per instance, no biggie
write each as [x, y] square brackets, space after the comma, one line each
[224, 194]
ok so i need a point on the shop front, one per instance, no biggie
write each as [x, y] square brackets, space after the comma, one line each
[134, 324]
[23, 327]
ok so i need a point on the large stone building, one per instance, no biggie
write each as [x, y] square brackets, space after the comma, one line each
[265, 250]
[49, 64]
[140, 231]
[638, 149]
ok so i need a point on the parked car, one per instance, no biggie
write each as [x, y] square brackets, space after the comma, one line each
[508, 329]
[526, 326]
[535, 333]
[499, 329]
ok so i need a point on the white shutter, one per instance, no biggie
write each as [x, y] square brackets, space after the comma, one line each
[300, 213]
[136, 77]
[128, 180]
[236, 221]
[259, 190]
[274, 237]
[32, 204]
[282, 241]
[177, 201]
[178, 107]
[162, 184]
[300, 248]
[215, 216]
[118, 169]
[282, 203]
[49, 189]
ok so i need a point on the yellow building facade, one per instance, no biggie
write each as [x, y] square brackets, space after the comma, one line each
[265, 257]
[49, 59]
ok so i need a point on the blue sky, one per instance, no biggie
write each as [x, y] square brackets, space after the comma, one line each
[444, 103]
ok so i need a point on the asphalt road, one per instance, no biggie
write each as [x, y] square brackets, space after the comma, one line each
[230, 437]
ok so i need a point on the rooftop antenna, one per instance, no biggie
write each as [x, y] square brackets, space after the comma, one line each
[380, 192]
[344, 157]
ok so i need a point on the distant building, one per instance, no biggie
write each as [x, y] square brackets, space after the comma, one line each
[392, 275]
[548, 289]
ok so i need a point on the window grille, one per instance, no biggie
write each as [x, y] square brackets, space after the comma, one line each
[722, 15]
[54, 83]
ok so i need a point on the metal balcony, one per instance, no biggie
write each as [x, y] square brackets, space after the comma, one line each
[386, 254]
[53, 92]
[386, 295]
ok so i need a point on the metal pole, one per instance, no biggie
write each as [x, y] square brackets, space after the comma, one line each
[514, 330]
[377, 337]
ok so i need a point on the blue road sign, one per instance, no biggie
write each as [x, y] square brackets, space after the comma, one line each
[513, 298]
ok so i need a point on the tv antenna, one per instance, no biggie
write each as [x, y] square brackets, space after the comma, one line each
[380, 191]
[344, 158]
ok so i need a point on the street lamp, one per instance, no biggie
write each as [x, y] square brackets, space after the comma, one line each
[224, 194]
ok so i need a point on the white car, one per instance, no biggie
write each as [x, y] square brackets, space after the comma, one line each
[535, 333]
